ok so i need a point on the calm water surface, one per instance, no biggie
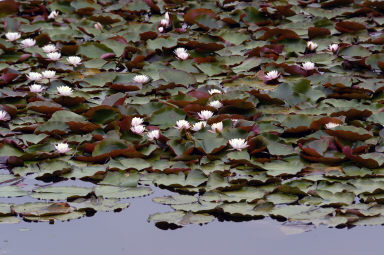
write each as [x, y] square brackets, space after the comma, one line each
[128, 232]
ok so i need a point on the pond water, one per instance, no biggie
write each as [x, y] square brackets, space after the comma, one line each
[128, 232]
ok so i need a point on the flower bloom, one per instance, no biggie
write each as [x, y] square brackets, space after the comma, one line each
[204, 115]
[333, 47]
[54, 56]
[49, 74]
[74, 60]
[139, 129]
[199, 125]
[53, 15]
[272, 75]
[154, 134]
[12, 36]
[160, 29]
[141, 79]
[164, 22]
[181, 53]
[182, 124]
[28, 43]
[238, 143]
[216, 104]
[64, 90]
[4, 116]
[331, 125]
[308, 66]
[214, 91]
[62, 147]
[137, 121]
[216, 127]
[36, 88]
[49, 48]
[98, 26]
[311, 45]
[34, 76]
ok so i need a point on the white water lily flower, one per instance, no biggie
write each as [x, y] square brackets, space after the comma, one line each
[137, 121]
[36, 88]
[54, 56]
[331, 125]
[182, 124]
[53, 15]
[49, 48]
[34, 76]
[181, 53]
[49, 74]
[216, 104]
[272, 75]
[98, 26]
[238, 143]
[141, 79]
[29, 42]
[214, 91]
[4, 116]
[164, 22]
[311, 45]
[204, 115]
[160, 29]
[62, 147]
[154, 134]
[64, 90]
[333, 47]
[139, 129]
[12, 36]
[216, 127]
[199, 125]
[308, 66]
[74, 60]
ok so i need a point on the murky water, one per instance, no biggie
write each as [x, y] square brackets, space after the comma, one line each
[128, 232]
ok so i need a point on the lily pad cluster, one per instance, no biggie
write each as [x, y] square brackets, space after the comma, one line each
[243, 109]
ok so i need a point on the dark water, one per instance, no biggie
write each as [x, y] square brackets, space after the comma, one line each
[128, 232]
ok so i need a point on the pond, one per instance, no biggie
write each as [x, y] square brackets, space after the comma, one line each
[128, 232]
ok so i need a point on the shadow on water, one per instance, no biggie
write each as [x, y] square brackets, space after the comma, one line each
[128, 232]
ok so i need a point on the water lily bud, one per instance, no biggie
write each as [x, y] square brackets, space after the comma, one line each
[216, 127]
[98, 26]
[331, 125]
